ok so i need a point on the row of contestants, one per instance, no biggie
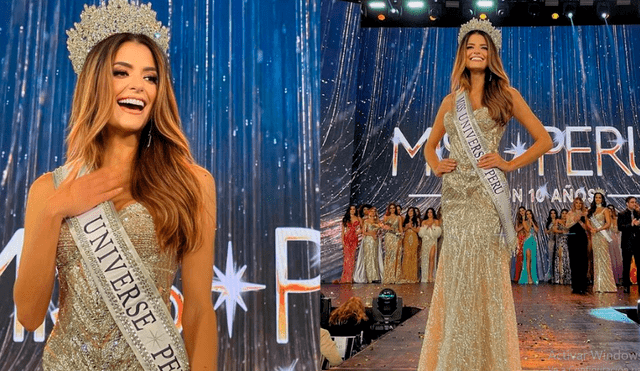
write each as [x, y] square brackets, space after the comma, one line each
[581, 244]
[391, 250]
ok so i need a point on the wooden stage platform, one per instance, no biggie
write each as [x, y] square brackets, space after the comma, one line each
[558, 330]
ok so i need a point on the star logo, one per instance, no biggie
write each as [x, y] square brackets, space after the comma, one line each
[154, 338]
[288, 368]
[543, 192]
[516, 149]
[558, 138]
[230, 286]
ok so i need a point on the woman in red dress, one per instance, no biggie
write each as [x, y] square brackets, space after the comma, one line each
[350, 236]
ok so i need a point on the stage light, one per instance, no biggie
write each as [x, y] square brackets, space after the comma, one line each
[569, 10]
[416, 5]
[435, 12]
[387, 310]
[485, 4]
[377, 5]
[555, 16]
[381, 17]
[602, 10]
[503, 9]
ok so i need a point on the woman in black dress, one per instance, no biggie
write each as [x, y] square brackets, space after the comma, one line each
[577, 242]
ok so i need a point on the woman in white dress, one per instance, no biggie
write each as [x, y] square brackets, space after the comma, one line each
[429, 232]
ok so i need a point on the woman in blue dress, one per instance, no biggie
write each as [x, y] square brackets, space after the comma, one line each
[529, 270]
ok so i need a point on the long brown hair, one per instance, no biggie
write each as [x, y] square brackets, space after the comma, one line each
[162, 178]
[352, 308]
[496, 95]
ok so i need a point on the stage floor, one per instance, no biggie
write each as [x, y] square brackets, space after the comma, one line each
[558, 330]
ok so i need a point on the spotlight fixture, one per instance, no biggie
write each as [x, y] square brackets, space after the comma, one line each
[503, 9]
[416, 5]
[377, 5]
[387, 310]
[502, 13]
[485, 4]
[602, 9]
[435, 11]
[569, 9]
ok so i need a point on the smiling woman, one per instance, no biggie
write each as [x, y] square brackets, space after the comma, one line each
[117, 220]
[472, 323]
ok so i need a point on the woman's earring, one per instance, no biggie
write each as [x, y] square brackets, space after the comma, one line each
[490, 75]
[150, 127]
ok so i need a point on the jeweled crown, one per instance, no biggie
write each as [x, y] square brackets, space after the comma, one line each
[601, 191]
[481, 25]
[118, 16]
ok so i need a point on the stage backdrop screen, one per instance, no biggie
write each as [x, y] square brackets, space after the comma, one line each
[382, 87]
[246, 76]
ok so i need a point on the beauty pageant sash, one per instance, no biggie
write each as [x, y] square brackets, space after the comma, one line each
[493, 179]
[604, 232]
[125, 286]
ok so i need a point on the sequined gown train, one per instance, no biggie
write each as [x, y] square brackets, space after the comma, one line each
[472, 323]
[85, 336]
[603, 280]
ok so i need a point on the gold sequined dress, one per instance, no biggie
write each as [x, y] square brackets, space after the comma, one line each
[429, 236]
[603, 280]
[392, 253]
[85, 336]
[472, 322]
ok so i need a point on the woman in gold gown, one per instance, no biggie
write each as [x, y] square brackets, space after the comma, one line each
[392, 224]
[410, 243]
[472, 323]
[600, 220]
[371, 247]
[164, 201]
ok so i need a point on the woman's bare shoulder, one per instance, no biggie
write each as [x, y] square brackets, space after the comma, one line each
[447, 102]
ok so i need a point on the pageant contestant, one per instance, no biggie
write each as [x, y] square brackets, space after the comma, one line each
[371, 256]
[472, 322]
[350, 237]
[409, 266]
[522, 234]
[614, 245]
[561, 264]
[629, 226]
[552, 237]
[126, 210]
[600, 219]
[392, 244]
[577, 242]
[429, 232]
[529, 273]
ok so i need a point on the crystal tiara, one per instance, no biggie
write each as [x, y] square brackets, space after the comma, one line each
[118, 16]
[479, 25]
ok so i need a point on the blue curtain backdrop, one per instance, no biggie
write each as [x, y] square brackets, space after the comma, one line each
[247, 82]
[381, 89]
